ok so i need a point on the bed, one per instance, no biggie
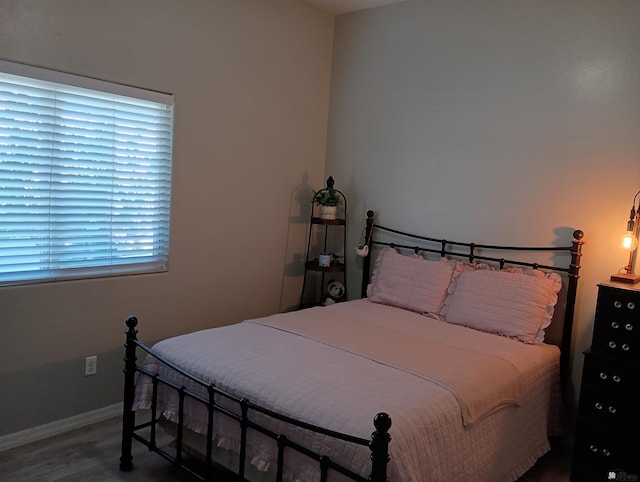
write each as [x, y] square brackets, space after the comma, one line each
[456, 351]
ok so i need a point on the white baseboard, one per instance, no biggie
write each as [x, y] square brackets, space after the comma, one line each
[59, 426]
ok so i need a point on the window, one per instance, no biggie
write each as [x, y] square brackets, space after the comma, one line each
[85, 177]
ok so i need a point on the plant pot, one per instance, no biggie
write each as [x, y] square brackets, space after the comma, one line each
[328, 212]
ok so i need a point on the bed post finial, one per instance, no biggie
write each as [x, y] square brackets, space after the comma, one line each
[578, 234]
[379, 447]
[128, 415]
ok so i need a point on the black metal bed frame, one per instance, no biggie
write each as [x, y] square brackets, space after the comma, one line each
[217, 400]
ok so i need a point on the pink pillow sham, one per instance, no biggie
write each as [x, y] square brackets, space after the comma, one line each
[410, 282]
[517, 303]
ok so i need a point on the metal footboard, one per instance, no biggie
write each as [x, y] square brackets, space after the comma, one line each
[216, 401]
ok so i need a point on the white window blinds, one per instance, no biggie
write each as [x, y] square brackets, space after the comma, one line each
[85, 177]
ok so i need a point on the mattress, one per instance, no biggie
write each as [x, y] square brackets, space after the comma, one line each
[465, 405]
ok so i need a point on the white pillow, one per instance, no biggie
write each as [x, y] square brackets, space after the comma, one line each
[410, 282]
[516, 303]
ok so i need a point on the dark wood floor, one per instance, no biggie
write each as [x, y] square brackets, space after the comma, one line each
[91, 454]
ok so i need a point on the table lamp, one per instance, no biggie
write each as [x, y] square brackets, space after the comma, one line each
[629, 241]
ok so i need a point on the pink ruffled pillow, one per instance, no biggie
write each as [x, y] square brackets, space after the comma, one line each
[410, 282]
[517, 303]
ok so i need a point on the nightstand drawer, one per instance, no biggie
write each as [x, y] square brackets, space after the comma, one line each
[618, 310]
[625, 347]
[614, 325]
[597, 447]
[619, 412]
[609, 374]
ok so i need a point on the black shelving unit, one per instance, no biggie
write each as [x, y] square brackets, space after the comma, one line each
[326, 235]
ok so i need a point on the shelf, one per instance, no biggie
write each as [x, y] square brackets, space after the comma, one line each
[328, 222]
[325, 236]
[334, 268]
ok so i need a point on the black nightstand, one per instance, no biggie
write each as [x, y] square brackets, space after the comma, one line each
[607, 443]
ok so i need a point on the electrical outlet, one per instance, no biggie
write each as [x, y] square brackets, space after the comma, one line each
[90, 365]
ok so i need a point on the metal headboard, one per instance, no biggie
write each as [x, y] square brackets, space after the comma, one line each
[474, 252]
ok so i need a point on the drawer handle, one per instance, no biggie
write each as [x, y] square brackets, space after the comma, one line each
[628, 327]
[631, 305]
[617, 304]
[615, 325]
[603, 375]
[612, 344]
[598, 405]
[612, 410]
[593, 448]
[617, 378]
[606, 452]
[626, 347]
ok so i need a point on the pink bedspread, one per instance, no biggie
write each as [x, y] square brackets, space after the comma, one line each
[415, 351]
[338, 366]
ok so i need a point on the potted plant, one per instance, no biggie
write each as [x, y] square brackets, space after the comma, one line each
[328, 199]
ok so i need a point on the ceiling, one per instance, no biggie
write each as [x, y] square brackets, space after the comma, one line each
[337, 7]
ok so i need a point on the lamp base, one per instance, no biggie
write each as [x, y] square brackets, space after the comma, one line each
[625, 278]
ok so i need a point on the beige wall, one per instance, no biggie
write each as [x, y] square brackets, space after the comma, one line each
[490, 121]
[251, 84]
